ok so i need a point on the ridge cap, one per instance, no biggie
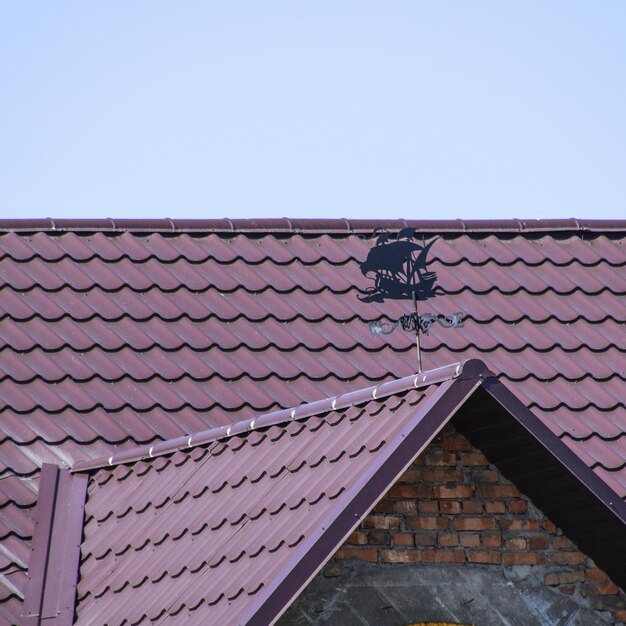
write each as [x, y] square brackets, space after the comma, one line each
[464, 369]
[294, 226]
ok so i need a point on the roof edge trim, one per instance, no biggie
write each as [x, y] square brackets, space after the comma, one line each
[470, 367]
[53, 568]
[552, 444]
[292, 226]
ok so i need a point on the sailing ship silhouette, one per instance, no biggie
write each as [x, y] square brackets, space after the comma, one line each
[398, 268]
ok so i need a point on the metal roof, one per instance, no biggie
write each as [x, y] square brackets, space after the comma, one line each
[118, 333]
[228, 529]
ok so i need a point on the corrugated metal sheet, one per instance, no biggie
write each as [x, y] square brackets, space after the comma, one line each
[113, 338]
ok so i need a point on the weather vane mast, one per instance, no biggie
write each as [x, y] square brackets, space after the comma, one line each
[398, 268]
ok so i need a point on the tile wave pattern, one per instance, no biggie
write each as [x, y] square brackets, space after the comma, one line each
[162, 537]
[109, 339]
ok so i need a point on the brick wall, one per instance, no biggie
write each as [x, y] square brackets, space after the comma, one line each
[452, 506]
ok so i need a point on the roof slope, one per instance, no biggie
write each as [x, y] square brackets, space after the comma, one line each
[118, 334]
[225, 522]
[228, 529]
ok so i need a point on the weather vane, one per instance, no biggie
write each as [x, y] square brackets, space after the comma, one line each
[397, 266]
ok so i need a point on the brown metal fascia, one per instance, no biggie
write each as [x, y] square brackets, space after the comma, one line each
[552, 444]
[290, 226]
[429, 418]
[40, 546]
[53, 572]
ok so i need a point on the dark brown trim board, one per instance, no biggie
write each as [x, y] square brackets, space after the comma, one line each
[53, 572]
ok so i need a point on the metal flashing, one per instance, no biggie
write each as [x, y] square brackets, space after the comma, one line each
[291, 226]
[300, 412]
[53, 573]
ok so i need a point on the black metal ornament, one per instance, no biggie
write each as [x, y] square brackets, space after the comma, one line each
[413, 321]
[397, 265]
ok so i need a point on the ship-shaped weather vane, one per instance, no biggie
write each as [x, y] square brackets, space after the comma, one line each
[397, 265]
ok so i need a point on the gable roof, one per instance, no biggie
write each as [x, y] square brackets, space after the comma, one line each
[229, 529]
[114, 334]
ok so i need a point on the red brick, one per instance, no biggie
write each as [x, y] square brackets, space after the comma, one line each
[473, 458]
[595, 574]
[515, 543]
[538, 542]
[497, 491]
[450, 507]
[402, 539]
[384, 506]
[402, 491]
[428, 506]
[358, 538]
[381, 521]
[491, 540]
[561, 541]
[567, 558]
[494, 507]
[484, 556]
[619, 615]
[517, 507]
[455, 442]
[436, 456]
[378, 537]
[520, 525]
[364, 554]
[444, 556]
[473, 523]
[425, 539]
[469, 540]
[411, 475]
[441, 475]
[448, 539]
[524, 558]
[549, 526]
[607, 588]
[400, 556]
[406, 507]
[485, 476]
[567, 589]
[564, 578]
[429, 523]
[452, 491]
[472, 507]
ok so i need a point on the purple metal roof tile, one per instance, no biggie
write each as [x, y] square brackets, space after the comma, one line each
[615, 480]
[581, 425]
[106, 577]
[541, 295]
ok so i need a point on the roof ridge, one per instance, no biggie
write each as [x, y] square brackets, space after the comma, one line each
[287, 225]
[376, 392]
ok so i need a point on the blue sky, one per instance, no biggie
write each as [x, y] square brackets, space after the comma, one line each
[411, 109]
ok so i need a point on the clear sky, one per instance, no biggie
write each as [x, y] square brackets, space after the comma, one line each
[416, 109]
